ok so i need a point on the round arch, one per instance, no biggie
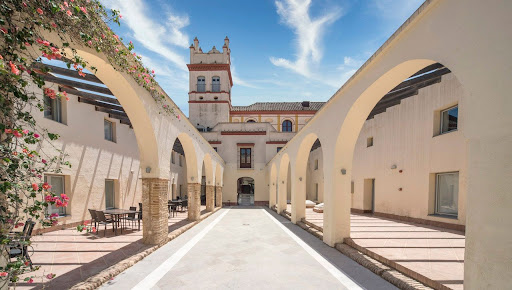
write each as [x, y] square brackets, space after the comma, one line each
[190, 157]
[208, 168]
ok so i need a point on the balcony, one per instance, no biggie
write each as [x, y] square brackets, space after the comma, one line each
[215, 88]
[201, 88]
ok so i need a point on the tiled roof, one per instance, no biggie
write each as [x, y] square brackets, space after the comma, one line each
[280, 106]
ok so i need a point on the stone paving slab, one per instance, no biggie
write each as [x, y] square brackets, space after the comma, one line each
[76, 256]
[435, 253]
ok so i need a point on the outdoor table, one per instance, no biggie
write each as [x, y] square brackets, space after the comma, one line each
[178, 202]
[116, 214]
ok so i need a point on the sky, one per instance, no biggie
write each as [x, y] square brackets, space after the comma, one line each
[281, 50]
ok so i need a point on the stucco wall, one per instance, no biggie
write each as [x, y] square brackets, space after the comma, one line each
[406, 135]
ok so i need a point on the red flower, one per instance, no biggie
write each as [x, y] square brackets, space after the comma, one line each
[26, 131]
[84, 10]
[44, 161]
[14, 69]
[54, 215]
[8, 131]
[24, 4]
[66, 4]
[46, 186]
[30, 281]
[64, 196]
[58, 203]
[54, 25]
[69, 13]
[3, 274]
[16, 134]
[35, 186]
[36, 135]
[93, 229]
[50, 276]
[40, 11]
[4, 31]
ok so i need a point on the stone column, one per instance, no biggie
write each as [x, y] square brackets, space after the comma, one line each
[210, 198]
[194, 201]
[218, 197]
[154, 210]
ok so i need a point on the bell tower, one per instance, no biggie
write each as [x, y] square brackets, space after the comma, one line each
[210, 85]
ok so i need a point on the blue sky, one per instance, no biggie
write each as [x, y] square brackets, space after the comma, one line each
[281, 50]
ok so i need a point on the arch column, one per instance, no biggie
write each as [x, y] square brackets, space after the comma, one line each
[337, 200]
[218, 196]
[272, 194]
[194, 201]
[281, 196]
[298, 197]
[154, 207]
[210, 198]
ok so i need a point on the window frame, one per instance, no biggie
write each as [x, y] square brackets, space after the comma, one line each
[60, 210]
[369, 142]
[113, 193]
[247, 156]
[316, 164]
[55, 105]
[112, 130]
[203, 88]
[216, 84]
[173, 159]
[282, 126]
[437, 198]
[441, 132]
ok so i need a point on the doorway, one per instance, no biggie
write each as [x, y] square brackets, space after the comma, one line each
[369, 195]
[245, 190]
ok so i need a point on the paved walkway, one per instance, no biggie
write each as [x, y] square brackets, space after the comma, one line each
[246, 248]
[75, 256]
[430, 251]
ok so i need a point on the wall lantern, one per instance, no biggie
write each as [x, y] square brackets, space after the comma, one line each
[282, 181]
[300, 178]
[393, 166]
[343, 171]
[148, 169]
[192, 178]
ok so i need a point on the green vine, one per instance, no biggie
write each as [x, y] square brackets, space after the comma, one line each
[23, 162]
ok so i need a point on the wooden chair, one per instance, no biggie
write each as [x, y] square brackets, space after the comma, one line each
[20, 248]
[102, 220]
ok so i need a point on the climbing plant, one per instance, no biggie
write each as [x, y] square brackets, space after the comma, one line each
[25, 31]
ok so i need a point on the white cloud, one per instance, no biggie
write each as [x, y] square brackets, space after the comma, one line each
[308, 31]
[237, 80]
[151, 34]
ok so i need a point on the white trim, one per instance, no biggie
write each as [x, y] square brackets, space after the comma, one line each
[168, 264]
[340, 276]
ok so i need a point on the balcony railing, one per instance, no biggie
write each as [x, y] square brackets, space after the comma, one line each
[215, 87]
[201, 88]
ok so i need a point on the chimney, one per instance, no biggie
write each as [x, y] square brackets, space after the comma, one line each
[196, 43]
[305, 104]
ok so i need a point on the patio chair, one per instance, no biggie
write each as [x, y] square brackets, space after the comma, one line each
[20, 248]
[24, 231]
[102, 220]
[131, 216]
[94, 219]
[184, 204]
[173, 207]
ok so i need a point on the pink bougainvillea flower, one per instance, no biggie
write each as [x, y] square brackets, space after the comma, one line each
[25, 131]
[89, 42]
[58, 203]
[3, 274]
[30, 281]
[46, 186]
[178, 117]
[14, 69]
[4, 30]
[35, 186]
[64, 196]
[44, 161]
[83, 9]
[54, 215]
[54, 49]
[16, 134]
[116, 50]
[27, 263]
[25, 150]
[120, 16]
[36, 135]
[50, 276]
[93, 229]
[69, 13]
[40, 11]
[61, 7]
[24, 4]
[65, 93]
[81, 73]
[8, 131]
[54, 25]
[50, 93]
[66, 4]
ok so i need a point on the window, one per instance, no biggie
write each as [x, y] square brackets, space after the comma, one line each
[215, 84]
[53, 109]
[215, 148]
[172, 158]
[447, 193]
[279, 149]
[201, 84]
[251, 121]
[109, 194]
[369, 142]
[109, 128]
[449, 120]
[287, 126]
[179, 159]
[245, 158]
[57, 183]
[316, 164]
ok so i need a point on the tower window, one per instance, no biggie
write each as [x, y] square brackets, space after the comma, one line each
[251, 121]
[215, 84]
[287, 126]
[449, 119]
[201, 84]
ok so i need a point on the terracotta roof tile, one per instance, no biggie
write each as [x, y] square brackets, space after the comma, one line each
[280, 106]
